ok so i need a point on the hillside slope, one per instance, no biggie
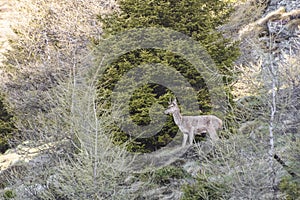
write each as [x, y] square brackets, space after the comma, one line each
[42, 69]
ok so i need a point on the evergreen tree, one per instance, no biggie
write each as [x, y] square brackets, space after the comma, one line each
[195, 18]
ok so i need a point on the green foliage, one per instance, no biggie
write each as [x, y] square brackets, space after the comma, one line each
[6, 126]
[291, 187]
[250, 108]
[166, 174]
[204, 189]
[9, 194]
[196, 19]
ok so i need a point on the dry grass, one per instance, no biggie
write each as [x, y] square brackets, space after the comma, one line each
[246, 12]
[6, 33]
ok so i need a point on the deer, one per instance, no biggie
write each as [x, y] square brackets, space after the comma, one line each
[194, 125]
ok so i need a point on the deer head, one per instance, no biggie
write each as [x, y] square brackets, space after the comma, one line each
[173, 107]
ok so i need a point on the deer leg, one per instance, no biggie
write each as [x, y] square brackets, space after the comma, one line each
[212, 133]
[191, 136]
[185, 137]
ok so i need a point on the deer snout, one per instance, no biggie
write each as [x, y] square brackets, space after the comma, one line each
[166, 112]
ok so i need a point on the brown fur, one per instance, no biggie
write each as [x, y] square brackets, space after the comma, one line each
[193, 125]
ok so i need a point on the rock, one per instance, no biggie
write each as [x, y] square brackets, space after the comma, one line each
[24, 153]
[192, 167]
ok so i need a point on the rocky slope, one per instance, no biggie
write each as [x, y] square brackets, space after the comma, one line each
[276, 41]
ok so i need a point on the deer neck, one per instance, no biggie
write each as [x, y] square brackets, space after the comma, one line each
[177, 117]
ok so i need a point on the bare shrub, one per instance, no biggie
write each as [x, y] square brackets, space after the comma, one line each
[56, 105]
[273, 80]
[240, 166]
[83, 162]
[52, 37]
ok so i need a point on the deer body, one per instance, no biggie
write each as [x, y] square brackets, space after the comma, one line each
[193, 125]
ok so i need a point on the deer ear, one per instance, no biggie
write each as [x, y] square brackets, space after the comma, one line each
[170, 100]
[175, 101]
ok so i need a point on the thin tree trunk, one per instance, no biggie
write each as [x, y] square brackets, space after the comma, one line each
[274, 76]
